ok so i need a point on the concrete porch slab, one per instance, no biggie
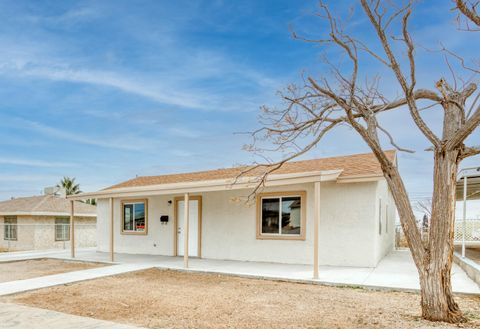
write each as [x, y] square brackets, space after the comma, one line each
[395, 271]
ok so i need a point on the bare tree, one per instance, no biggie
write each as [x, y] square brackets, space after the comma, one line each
[424, 206]
[348, 97]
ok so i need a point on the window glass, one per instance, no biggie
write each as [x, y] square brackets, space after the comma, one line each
[380, 216]
[134, 219]
[270, 215]
[139, 216]
[62, 229]
[10, 230]
[128, 217]
[281, 215]
[291, 215]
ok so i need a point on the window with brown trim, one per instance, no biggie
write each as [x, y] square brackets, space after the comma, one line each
[281, 215]
[134, 216]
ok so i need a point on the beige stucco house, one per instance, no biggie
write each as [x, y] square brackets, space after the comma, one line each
[43, 222]
[330, 211]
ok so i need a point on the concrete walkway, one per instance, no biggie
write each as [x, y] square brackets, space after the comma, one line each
[18, 316]
[13, 287]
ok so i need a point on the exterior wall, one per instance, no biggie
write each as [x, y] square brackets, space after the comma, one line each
[38, 232]
[348, 235]
[385, 221]
[158, 241]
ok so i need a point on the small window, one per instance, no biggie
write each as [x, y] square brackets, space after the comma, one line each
[10, 230]
[386, 218]
[134, 217]
[62, 229]
[281, 215]
[380, 216]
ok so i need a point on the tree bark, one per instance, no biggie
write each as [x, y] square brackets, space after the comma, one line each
[437, 300]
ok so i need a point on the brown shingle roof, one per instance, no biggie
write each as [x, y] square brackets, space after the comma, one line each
[352, 166]
[44, 204]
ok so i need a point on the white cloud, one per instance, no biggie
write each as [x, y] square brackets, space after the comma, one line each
[34, 163]
[22, 178]
[124, 142]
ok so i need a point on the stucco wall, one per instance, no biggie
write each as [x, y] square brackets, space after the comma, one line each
[385, 219]
[38, 232]
[348, 234]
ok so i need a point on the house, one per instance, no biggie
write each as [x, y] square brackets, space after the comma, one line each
[43, 222]
[330, 211]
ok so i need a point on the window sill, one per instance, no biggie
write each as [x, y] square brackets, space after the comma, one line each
[280, 237]
[133, 233]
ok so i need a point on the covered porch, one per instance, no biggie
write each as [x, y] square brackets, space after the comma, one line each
[185, 197]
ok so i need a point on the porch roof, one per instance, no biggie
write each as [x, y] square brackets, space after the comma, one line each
[343, 169]
[473, 187]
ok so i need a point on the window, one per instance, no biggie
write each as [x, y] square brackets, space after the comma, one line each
[380, 216]
[386, 218]
[134, 217]
[281, 216]
[10, 231]
[62, 229]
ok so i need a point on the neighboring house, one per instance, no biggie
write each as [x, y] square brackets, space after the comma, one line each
[43, 222]
[347, 197]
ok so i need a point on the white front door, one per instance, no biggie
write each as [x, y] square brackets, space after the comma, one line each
[192, 229]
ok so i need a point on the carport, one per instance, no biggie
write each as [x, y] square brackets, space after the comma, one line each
[468, 189]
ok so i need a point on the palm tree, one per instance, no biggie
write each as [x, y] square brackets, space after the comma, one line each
[69, 185]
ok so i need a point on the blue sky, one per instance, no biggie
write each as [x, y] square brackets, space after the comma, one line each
[106, 90]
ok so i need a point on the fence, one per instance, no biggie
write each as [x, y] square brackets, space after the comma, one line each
[17, 237]
[472, 233]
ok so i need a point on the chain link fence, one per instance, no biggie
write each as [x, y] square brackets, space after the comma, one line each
[22, 237]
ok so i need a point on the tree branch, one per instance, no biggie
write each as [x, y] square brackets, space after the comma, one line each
[470, 13]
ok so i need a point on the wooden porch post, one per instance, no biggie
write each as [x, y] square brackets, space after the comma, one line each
[72, 229]
[186, 228]
[112, 231]
[316, 225]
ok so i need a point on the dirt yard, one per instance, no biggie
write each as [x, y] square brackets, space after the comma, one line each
[169, 299]
[26, 269]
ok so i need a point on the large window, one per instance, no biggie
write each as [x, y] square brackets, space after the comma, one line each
[10, 229]
[281, 215]
[62, 229]
[134, 217]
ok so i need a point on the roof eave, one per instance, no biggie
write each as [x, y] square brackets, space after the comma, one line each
[361, 178]
[44, 213]
[212, 185]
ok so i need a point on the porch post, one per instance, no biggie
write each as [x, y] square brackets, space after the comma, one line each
[316, 225]
[186, 223]
[464, 223]
[112, 231]
[72, 229]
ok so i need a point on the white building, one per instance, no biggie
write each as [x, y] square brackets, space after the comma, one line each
[346, 198]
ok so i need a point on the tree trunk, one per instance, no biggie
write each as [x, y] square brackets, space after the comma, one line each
[437, 300]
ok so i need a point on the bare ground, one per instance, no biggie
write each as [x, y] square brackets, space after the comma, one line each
[27, 269]
[169, 299]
